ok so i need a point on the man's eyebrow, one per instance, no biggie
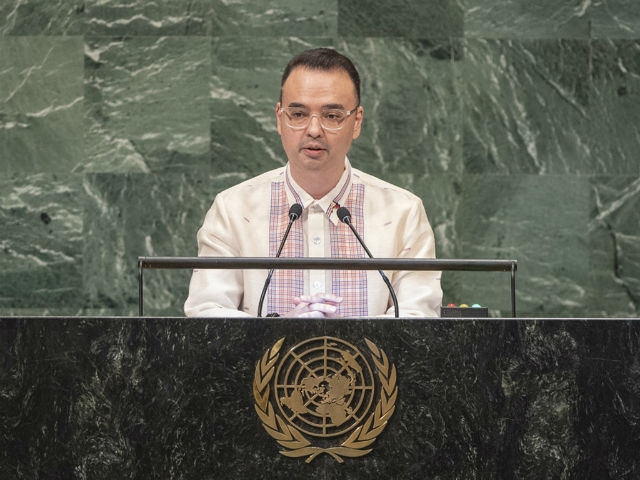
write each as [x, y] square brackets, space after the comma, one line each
[330, 106]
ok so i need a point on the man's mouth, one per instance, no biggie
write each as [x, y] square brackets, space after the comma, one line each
[313, 148]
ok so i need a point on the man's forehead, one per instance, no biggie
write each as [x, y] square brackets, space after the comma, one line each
[335, 84]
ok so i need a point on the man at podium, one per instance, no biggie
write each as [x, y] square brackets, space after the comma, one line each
[318, 116]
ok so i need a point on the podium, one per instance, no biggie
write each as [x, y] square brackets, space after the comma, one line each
[170, 398]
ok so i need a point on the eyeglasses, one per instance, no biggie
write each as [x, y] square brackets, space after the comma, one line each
[330, 119]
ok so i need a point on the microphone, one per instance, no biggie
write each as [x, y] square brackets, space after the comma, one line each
[294, 213]
[345, 217]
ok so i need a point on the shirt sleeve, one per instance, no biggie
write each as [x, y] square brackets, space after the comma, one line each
[419, 292]
[216, 292]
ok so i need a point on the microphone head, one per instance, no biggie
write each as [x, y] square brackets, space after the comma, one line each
[295, 211]
[344, 215]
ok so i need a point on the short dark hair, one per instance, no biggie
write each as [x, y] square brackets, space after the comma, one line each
[322, 59]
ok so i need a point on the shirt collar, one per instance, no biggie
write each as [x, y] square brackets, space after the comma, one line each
[330, 202]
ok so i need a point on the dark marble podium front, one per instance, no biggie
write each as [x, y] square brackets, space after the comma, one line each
[171, 398]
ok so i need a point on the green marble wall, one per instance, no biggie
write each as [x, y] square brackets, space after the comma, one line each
[516, 121]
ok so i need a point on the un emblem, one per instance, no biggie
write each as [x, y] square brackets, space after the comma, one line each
[324, 390]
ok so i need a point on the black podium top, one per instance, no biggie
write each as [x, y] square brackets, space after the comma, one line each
[127, 397]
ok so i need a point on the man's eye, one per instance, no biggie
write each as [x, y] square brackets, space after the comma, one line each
[298, 114]
[333, 115]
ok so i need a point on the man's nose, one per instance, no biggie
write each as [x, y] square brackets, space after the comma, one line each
[315, 127]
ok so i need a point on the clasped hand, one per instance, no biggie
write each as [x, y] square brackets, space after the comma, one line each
[321, 305]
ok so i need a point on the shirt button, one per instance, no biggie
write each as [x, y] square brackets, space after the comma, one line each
[316, 285]
[316, 240]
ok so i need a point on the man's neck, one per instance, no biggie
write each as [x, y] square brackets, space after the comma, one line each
[317, 184]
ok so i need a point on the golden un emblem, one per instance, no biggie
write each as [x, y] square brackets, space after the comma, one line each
[324, 392]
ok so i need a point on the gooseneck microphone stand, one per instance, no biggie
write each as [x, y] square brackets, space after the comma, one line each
[345, 217]
[294, 213]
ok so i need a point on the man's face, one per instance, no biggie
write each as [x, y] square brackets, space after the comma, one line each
[314, 149]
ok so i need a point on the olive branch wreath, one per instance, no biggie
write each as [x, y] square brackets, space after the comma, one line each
[294, 441]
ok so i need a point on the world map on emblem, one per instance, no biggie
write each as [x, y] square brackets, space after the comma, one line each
[324, 386]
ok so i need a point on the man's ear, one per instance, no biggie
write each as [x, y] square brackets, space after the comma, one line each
[278, 124]
[357, 126]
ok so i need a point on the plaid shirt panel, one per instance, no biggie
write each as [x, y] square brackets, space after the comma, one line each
[285, 284]
[350, 285]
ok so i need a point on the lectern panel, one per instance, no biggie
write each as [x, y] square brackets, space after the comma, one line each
[346, 398]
